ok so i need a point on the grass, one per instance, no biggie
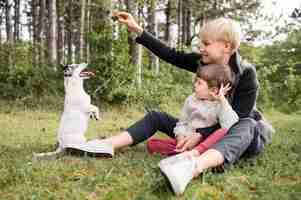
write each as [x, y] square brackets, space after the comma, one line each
[132, 173]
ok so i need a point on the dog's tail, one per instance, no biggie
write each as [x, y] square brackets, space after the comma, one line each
[49, 155]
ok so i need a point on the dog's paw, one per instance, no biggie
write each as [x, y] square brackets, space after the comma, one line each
[94, 115]
[97, 116]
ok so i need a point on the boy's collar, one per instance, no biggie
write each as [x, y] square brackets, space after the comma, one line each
[235, 61]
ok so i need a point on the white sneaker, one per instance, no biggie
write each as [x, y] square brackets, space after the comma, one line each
[179, 171]
[173, 159]
[95, 146]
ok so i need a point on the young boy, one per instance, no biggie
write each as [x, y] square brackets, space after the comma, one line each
[206, 107]
[220, 40]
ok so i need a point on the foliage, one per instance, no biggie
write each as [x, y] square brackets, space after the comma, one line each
[21, 79]
[115, 77]
[110, 60]
[115, 80]
[240, 10]
[277, 72]
[171, 84]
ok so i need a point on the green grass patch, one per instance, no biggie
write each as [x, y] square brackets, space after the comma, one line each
[132, 173]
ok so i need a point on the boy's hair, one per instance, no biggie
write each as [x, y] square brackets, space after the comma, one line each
[222, 29]
[215, 75]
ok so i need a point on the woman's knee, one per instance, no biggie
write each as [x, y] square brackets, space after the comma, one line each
[153, 116]
[244, 129]
[247, 122]
[238, 139]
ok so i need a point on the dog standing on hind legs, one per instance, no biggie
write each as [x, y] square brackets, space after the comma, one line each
[74, 121]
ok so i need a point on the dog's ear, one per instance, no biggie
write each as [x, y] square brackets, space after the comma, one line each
[62, 66]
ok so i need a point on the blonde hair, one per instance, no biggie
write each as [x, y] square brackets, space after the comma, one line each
[222, 29]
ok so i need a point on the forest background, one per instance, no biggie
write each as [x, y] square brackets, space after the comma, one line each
[36, 36]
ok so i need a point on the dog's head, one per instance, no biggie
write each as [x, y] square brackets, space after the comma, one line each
[77, 71]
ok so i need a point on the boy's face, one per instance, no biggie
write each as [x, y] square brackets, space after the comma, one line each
[202, 90]
[214, 52]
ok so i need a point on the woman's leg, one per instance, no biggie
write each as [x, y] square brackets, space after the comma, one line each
[144, 129]
[230, 148]
[123, 139]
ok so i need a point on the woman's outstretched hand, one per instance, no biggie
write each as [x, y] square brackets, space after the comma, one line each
[129, 21]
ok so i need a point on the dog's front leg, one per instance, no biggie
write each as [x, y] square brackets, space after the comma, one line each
[94, 112]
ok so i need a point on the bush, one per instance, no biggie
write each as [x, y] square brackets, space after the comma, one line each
[279, 90]
[171, 84]
[19, 78]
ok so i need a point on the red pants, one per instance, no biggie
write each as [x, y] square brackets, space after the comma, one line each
[168, 146]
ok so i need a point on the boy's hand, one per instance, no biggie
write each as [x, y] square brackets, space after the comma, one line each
[128, 20]
[220, 96]
[179, 138]
[188, 142]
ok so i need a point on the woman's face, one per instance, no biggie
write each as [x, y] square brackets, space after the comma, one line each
[213, 52]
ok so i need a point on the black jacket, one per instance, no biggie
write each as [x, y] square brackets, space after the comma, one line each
[246, 85]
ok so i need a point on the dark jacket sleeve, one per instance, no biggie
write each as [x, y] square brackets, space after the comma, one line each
[188, 61]
[246, 92]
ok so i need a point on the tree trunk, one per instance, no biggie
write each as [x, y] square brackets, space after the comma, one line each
[188, 23]
[171, 24]
[41, 32]
[82, 31]
[1, 21]
[34, 8]
[139, 65]
[88, 29]
[9, 32]
[52, 47]
[133, 9]
[135, 50]
[152, 27]
[9, 19]
[167, 26]
[60, 33]
[69, 35]
[183, 22]
[17, 21]
[179, 22]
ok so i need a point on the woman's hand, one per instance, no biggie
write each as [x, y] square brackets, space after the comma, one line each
[220, 96]
[188, 142]
[129, 21]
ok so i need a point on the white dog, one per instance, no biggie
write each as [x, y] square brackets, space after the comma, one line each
[77, 111]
